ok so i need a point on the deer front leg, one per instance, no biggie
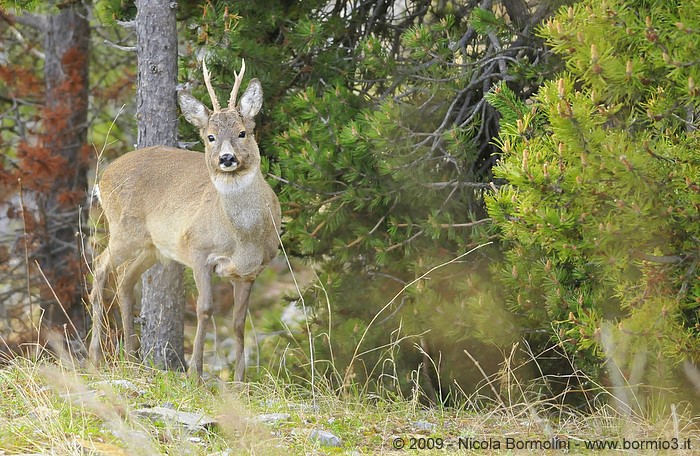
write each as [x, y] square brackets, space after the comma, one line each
[241, 294]
[202, 279]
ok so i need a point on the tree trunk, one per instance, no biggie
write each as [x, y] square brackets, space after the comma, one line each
[163, 299]
[63, 143]
[518, 11]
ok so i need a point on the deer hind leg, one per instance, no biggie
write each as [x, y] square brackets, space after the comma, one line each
[241, 295]
[129, 274]
[101, 269]
[202, 278]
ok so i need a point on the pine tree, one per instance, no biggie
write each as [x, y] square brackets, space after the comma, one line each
[600, 214]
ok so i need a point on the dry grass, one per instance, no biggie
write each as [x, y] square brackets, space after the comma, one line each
[50, 406]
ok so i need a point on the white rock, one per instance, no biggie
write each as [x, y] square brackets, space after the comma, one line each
[325, 438]
[273, 418]
[422, 425]
[192, 421]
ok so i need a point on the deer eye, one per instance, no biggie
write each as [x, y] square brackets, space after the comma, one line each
[211, 138]
[241, 134]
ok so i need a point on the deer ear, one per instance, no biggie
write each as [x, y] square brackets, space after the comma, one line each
[252, 99]
[194, 110]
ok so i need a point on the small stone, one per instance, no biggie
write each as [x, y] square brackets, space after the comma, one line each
[121, 383]
[325, 438]
[273, 418]
[82, 396]
[191, 421]
[422, 425]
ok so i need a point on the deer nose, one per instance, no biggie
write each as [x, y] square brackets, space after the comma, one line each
[228, 160]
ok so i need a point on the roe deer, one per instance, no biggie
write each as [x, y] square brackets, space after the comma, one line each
[213, 212]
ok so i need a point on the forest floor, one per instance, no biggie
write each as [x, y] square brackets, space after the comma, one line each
[52, 408]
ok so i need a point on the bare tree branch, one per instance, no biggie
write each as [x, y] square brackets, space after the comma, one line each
[120, 47]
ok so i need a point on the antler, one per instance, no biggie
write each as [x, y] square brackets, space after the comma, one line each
[214, 101]
[236, 85]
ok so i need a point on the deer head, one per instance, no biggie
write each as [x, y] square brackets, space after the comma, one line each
[231, 150]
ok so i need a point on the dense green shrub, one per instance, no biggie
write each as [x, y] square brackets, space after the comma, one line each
[600, 219]
[385, 166]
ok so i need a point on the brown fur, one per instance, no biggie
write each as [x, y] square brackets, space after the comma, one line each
[166, 204]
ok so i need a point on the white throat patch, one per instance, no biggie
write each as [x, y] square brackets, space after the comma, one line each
[227, 185]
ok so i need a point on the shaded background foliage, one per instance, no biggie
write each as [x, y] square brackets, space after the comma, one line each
[46, 155]
[61, 89]
[377, 136]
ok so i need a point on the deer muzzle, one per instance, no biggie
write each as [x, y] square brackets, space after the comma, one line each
[228, 162]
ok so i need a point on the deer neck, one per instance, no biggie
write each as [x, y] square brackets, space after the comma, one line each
[239, 195]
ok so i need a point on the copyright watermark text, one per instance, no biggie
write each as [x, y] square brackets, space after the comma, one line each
[554, 444]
